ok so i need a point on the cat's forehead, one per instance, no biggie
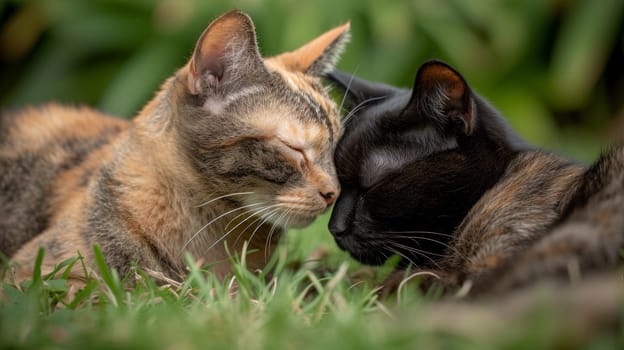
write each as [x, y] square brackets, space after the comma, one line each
[381, 162]
[292, 107]
[277, 122]
[378, 155]
[293, 118]
[306, 91]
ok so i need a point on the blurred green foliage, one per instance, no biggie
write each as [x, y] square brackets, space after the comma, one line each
[554, 67]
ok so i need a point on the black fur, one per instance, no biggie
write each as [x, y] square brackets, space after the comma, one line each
[439, 174]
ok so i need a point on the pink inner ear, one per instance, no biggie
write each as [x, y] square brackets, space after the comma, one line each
[451, 81]
[212, 51]
[456, 90]
[209, 65]
[197, 81]
[436, 75]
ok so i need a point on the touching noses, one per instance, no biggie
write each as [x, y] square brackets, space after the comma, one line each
[326, 184]
[329, 193]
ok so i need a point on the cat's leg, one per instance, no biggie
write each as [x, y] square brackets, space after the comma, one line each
[58, 245]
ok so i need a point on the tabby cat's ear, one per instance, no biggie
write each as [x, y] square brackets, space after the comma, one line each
[227, 49]
[319, 56]
[441, 93]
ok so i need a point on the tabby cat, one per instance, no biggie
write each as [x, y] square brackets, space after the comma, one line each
[233, 147]
[437, 176]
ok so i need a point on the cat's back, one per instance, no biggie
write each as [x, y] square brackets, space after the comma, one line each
[53, 127]
[587, 238]
[42, 149]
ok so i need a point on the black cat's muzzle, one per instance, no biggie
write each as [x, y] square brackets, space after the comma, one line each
[361, 249]
[342, 215]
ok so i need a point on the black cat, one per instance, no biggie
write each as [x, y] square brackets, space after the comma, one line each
[437, 176]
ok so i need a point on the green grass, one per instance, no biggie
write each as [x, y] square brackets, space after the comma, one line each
[295, 303]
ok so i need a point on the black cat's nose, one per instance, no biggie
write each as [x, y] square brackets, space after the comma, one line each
[337, 227]
[342, 215]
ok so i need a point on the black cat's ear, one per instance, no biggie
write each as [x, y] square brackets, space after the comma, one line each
[226, 49]
[359, 90]
[319, 56]
[441, 93]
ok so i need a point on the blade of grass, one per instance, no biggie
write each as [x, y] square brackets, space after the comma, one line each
[110, 277]
[69, 263]
[83, 294]
[36, 276]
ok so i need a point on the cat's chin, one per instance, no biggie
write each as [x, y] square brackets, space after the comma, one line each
[290, 219]
[363, 254]
[298, 221]
[297, 214]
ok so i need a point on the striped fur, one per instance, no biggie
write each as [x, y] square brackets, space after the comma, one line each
[233, 148]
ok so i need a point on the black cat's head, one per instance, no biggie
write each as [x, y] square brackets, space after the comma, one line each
[412, 163]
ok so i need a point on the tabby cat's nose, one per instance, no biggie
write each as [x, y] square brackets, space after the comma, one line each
[329, 192]
[329, 197]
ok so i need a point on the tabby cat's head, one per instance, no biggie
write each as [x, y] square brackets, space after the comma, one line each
[263, 128]
[412, 163]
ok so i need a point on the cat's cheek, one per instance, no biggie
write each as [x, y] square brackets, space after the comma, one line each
[300, 204]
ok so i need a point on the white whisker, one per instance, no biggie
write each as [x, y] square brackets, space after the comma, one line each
[359, 107]
[420, 231]
[255, 214]
[266, 217]
[344, 97]
[415, 251]
[420, 238]
[268, 239]
[394, 251]
[215, 219]
[254, 210]
[234, 228]
[224, 196]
